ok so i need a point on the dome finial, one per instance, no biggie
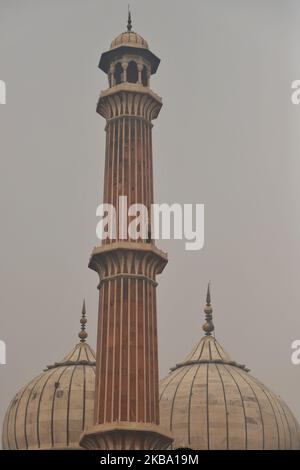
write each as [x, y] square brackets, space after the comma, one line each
[208, 326]
[208, 299]
[129, 22]
[83, 334]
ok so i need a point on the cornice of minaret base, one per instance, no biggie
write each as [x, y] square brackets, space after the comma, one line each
[126, 436]
[128, 259]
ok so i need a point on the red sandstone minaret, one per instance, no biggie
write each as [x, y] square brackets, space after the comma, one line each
[126, 398]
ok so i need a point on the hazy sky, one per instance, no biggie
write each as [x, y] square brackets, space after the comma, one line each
[227, 136]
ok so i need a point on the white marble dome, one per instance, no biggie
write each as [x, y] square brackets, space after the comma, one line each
[211, 402]
[53, 409]
[129, 38]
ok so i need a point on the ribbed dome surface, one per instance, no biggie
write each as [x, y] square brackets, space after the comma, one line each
[129, 38]
[54, 408]
[210, 402]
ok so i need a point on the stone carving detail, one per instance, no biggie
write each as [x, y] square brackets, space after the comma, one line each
[130, 100]
[128, 261]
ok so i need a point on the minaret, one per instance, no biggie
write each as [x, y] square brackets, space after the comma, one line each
[126, 397]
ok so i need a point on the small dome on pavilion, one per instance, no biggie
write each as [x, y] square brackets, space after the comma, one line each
[129, 38]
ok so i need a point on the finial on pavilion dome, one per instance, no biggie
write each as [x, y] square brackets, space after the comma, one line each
[129, 22]
[83, 334]
[208, 326]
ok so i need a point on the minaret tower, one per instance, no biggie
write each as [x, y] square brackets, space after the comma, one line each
[126, 397]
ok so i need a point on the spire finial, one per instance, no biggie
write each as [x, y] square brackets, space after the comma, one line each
[83, 334]
[208, 326]
[129, 22]
[208, 298]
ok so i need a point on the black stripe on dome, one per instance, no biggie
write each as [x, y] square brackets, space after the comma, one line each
[226, 408]
[190, 403]
[82, 362]
[84, 394]
[207, 407]
[259, 407]
[69, 397]
[16, 412]
[172, 377]
[274, 414]
[243, 406]
[53, 405]
[39, 407]
[209, 361]
[275, 401]
[37, 381]
[201, 352]
[281, 418]
[173, 401]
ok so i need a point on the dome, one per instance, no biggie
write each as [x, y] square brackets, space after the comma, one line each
[126, 44]
[53, 409]
[211, 402]
[129, 38]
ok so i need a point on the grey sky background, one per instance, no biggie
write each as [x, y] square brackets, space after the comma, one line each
[227, 136]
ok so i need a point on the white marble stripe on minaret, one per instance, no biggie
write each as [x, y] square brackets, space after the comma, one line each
[136, 352]
[135, 159]
[121, 344]
[145, 162]
[151, 164]
[148, 163]
[105, 189]
[102, 292]
[129, 162]
[155, 354]
[123, 160]
[106, 359]
[112, 128]
[149, 353]
[113, 351]
[154, 333]
[144, 350]
[142, 162]
[117, 182]
[152, 371]
[148, 160]
[128, 350]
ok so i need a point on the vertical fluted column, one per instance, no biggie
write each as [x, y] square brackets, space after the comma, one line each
[127, 375]
[128, 167]
[126, 395]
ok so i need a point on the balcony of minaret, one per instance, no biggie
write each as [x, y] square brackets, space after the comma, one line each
[129, 99]
[129, 92]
